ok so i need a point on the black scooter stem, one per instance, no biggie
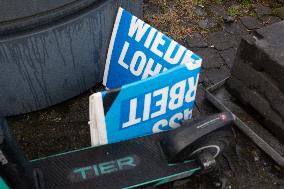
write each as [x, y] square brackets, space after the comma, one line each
[137, 163]
[15, 169]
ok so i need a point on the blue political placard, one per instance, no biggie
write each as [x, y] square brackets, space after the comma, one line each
[156, 104]
[138, 51]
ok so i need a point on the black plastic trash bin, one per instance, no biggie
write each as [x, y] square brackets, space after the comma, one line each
[51, 51]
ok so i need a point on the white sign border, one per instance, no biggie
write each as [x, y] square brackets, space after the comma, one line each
[112, 40]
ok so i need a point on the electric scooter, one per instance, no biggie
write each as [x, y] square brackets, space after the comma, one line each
[137, 163]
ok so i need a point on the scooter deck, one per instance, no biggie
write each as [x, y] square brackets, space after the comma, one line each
[146, 161]
[127, 164]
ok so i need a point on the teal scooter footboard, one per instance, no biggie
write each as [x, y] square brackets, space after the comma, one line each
[137, 163]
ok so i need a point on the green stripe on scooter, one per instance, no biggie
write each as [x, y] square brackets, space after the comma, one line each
[166, 179]
[3, 184]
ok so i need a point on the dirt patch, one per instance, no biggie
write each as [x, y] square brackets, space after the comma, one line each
[171, 17]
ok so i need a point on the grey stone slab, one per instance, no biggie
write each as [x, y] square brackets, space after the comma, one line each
[250, 22]
[251, 98]
[267, 20]
[195, 40]
[203, 106]
[229, 56]
[195, 112]
[199, 11]
[271, 44]
[207, 23]
[235, 28]
[217, 74]
[260, 82]
[221, 40]
[273, 34]
[211, 58]
[203, 79]
[266, 52]
[229, 19]
[218, 10]
[262, 10]
[200, 97]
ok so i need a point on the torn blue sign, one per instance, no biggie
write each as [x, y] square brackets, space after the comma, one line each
[138, 51]
[156, 104]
